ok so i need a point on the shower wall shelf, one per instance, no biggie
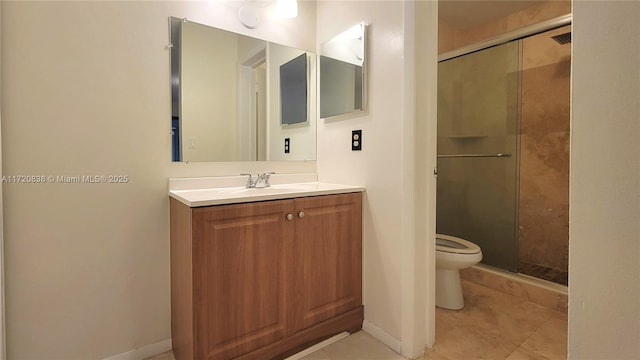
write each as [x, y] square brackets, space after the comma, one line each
[467, 137]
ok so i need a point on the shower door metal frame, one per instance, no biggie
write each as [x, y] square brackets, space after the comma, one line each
[518, 34]
[516, 213]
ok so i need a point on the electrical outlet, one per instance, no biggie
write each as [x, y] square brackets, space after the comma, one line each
[287, 145]
[356, 140]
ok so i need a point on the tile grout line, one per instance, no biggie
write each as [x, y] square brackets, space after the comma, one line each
[536, 331]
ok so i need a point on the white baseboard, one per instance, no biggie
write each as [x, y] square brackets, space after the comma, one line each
[382, 336]
[144, 352]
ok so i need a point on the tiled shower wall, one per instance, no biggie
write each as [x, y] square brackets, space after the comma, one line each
[544, 151]
[450, 38]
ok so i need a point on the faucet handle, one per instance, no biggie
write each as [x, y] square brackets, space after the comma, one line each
[265, 178]
[250, 182]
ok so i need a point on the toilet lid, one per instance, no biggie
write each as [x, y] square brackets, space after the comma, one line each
[452, 244]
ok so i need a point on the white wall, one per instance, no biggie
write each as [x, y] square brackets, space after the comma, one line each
[2, 316]
[386, 167]
[379, 166]
[426, 103]
[604, 245]
[85, 90]
[302, 136]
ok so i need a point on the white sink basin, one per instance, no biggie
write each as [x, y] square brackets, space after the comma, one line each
[280, 188]
[231, 195]
[289, 187]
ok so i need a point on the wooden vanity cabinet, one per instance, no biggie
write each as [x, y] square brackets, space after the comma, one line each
[327, 258]
[265, 279]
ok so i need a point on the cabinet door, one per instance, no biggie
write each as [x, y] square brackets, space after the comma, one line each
[328, 257]
[242, 275]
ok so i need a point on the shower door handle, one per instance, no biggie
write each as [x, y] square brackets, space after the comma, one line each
[473, 155]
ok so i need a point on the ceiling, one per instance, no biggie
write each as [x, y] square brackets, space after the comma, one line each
[464, 14]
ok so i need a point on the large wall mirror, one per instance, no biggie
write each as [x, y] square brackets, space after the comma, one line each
[237, 98]
[343, 73]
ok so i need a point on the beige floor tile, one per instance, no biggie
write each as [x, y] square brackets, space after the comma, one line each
[524, 354]
[425, 356]
[164, 356]
[360, 346]
[550, 340]
[470, 344]
[492, 325]
[494, 314]
[317, 355]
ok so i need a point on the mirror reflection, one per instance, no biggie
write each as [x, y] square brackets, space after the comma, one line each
[238, 98]
[342, 73]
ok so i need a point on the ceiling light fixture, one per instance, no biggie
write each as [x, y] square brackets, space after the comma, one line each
[249, 16]
[287, 9]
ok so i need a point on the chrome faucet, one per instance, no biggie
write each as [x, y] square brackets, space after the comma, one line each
[260, 181]
[263, 180]
[251, 183]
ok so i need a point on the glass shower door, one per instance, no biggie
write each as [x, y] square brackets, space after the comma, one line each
[478, 111]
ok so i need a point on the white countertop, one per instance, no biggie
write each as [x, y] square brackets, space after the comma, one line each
[205, 193]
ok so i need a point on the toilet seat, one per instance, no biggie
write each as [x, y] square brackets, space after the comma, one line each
[455, 245]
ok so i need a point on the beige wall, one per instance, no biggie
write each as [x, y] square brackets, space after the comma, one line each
[85, 90]
[450, 37]
[397, 264]
[604, 246]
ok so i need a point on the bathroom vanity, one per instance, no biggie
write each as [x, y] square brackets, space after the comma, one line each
[264, 273]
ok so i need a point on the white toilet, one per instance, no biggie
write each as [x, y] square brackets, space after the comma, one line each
[453, 254]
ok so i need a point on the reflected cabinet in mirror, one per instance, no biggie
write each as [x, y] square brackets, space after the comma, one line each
[238, 98]
[342, 73]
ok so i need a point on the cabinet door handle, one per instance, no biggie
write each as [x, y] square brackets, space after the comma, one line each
[289, 217]
[301, 214]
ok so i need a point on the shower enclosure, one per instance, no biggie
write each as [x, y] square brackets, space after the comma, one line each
[503, 152]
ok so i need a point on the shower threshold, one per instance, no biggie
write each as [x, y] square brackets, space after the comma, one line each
[542, 292]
